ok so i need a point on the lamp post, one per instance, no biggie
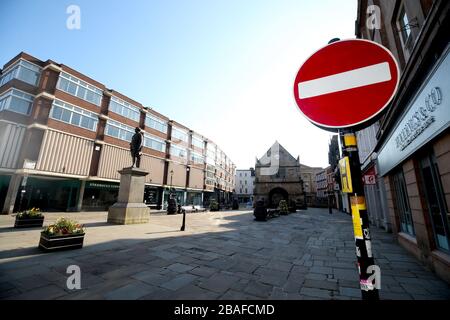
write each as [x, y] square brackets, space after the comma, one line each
[183, 225]
[170, 189]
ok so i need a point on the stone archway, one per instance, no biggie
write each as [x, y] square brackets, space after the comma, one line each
[277, 194]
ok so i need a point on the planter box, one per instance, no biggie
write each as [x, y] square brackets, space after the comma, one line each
[28, 222]
[64, 242]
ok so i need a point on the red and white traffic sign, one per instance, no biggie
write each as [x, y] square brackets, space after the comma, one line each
[346, 83]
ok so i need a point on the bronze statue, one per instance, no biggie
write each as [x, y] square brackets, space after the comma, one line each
[136, 147]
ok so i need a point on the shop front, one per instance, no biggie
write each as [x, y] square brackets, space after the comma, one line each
[4, 184]
[414, 161]
[194, 198]
[47, 194]
[153, 197]
[178, 194]
[99, 195]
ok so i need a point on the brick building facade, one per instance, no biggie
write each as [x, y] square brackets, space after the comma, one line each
[64, 136]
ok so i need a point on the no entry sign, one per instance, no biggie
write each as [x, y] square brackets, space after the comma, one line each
[346, 83]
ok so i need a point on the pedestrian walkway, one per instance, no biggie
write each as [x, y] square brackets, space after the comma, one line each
[221, 255]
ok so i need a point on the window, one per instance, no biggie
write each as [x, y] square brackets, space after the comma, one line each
[401, 199]
[68, 113]
[245, 182]
[79, 88]
[177, 151]
[179, 135]
[124, 108]
[119, 130]
[197, 142]
[16, 101]
[22, 70]
[437, 205]
[405, 28]
[154, 143]
[196, 158]
[155, 123]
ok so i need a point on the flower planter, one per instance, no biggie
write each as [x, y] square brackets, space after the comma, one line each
[62, 242]
[28, 222]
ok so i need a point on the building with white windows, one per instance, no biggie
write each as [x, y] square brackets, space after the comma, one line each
[64, 136]
[245, 180]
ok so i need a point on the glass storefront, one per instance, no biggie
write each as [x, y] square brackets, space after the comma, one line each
[4, 183]
[152, 197]
[194, 198]
[99, 195]
[177, 194]
[402, 203]
[437, 205]
[47, 194]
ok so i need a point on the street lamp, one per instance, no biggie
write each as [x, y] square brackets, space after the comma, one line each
[170, 189]
[183, 225]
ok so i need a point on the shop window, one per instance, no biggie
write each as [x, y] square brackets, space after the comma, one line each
[437, 206]
[403, 208]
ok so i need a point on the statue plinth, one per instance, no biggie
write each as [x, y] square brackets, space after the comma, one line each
[129, 208]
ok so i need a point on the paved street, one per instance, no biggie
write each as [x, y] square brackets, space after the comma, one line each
[221, 255]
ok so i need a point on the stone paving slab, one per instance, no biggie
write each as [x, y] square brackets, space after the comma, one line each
[221, 255]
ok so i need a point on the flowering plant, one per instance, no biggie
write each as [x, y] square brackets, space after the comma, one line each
[30, 214]
[63, 226]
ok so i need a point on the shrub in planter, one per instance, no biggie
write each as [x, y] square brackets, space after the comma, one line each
[29, 218]
[283, 207]
[62, 235]
[214, 205]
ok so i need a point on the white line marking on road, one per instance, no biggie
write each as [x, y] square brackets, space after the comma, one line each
[346, 80]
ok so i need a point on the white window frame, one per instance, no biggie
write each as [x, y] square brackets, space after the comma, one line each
[172, 146]
[119, 126]
[80, 83]
[20, 95]
[198, 156]
[125, 105]
[14, 69]
[73, 109]
[200, 141]
[151, 137]
[156, 119]
[185, 133]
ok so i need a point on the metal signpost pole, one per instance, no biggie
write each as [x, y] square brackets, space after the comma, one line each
[335, 89]
[366, 265]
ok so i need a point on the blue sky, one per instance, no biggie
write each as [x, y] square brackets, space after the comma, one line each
[223, 68]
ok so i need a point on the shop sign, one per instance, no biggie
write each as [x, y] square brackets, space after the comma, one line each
[426, 116]
[102, 185]
[370, 178]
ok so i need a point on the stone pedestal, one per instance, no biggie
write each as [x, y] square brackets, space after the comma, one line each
[130, 208]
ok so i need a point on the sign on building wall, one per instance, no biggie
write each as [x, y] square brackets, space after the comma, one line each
[370, 177]
[427, 115]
